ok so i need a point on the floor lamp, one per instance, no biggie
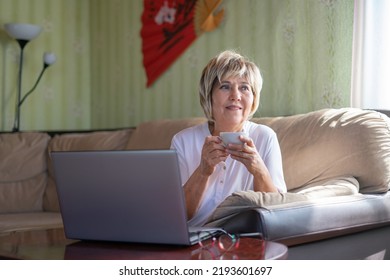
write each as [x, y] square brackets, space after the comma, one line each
[24, 33]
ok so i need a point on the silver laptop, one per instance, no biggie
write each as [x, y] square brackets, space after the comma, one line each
[125, 196]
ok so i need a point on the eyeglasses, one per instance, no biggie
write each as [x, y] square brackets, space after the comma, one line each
[225, 245]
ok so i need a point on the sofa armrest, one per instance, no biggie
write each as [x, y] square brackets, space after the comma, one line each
[309, 221]
[331, 143]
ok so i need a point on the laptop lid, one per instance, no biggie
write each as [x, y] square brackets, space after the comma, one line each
[126, 196]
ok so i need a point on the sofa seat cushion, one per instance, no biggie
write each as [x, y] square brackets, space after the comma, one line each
[30, 221]
[23, 171]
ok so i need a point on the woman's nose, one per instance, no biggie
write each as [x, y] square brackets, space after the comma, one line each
[235, 94]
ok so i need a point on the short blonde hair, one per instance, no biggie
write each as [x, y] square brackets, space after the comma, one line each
[225, 65]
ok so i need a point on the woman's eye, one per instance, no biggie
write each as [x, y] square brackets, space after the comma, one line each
[224, 87]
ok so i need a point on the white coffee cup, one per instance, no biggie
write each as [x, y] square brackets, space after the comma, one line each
[231, 137]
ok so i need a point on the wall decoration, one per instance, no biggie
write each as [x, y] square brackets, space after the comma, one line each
[169, 27]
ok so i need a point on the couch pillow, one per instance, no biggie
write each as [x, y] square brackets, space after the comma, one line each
[99, 140]
[22, 155]
[330, 188]
[22, 171]
[23, 196]
[158, 134]
[332, 143]
[245, 200]
[242, 201]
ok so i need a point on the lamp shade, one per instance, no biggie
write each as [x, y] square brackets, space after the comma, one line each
[49, 58]
[22, 31]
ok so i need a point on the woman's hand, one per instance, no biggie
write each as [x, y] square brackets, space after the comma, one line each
[248, 155]
[213, 152]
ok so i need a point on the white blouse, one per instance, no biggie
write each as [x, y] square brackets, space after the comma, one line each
[229, 176]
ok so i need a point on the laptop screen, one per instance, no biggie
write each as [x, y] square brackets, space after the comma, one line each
[130, 196]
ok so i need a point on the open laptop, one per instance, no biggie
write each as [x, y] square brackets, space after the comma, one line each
[125, 196]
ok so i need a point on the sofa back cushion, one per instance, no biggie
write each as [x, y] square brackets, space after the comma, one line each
[158, 134]
[333, 143]
[99, 140]
[23, 173]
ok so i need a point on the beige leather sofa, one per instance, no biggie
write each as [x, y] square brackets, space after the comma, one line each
[336, 164]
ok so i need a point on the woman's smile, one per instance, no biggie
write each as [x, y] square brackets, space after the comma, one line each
[234, 107]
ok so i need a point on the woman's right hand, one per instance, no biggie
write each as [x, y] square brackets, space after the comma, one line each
[213, 152]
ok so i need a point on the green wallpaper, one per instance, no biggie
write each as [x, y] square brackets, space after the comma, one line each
[62, 99]
[304, 48]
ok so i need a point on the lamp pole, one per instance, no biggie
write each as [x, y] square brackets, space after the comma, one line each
[22, 33]
[22, 44]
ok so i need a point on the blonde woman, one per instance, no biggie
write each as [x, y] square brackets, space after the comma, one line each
[229, 93]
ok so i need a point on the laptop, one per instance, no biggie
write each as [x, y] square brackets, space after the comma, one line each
[124, 196]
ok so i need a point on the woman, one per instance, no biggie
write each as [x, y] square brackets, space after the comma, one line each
[229, 92]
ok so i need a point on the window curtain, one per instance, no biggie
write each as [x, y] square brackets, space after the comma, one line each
[371, 55]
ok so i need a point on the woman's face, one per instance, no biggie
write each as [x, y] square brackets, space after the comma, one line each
[232, 101]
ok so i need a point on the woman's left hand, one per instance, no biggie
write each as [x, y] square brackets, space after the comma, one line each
[248, 155]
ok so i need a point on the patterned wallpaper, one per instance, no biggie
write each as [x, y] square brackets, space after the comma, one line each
[303, 47]
[62, 99]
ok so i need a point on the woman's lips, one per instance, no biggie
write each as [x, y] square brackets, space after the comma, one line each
[233, 107]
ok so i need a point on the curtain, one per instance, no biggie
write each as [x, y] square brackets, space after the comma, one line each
[370, 86]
